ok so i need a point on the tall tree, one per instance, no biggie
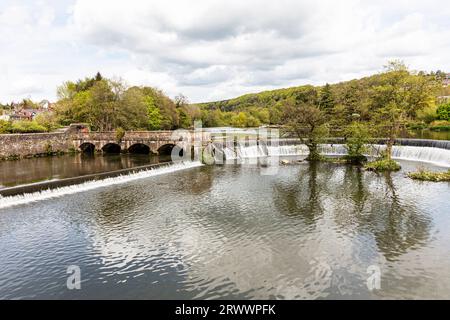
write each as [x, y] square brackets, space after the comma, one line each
[326, 99]
[308, 123]
[399, 95]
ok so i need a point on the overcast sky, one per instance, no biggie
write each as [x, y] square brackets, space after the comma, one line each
[214, 49]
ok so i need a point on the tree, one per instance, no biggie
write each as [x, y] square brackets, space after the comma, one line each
[108, 104]
[399, 95]
[443, 111]
[239, 120]
[48, 120]
[326, 99]
[308, 123]
[357, 137]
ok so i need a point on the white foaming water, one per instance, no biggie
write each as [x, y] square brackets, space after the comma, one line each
[89, 185]
[437, 156]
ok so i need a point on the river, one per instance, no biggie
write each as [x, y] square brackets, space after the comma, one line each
[310, 231]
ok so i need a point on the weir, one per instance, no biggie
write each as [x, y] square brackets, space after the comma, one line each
[430, 151]
[52, 189]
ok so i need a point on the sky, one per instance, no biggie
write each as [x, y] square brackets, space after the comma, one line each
[214, 49]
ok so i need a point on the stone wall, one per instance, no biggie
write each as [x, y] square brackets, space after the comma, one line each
[14, 146]
[26, 145]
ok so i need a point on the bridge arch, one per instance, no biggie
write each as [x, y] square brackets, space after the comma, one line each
[167, 149]
[111, 148]
[87, 147]
[139, 148]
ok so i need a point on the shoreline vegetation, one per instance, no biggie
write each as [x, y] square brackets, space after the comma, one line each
[431, 176]
[381, 105]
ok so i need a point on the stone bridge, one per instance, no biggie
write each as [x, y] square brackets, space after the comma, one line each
[143, 142]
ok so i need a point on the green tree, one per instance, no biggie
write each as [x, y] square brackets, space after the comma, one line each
[5, 126]
[399, 95]
[443, 111]
[326, 99]
[357, 137]
[154, 117]
[239, 120]
[48, 120]
[308, 123]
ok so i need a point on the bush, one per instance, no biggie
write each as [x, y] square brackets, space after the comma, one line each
[5, 126]
[47, 120]
[120, 133]
[443, 112]
[383, 165]
[27, 127]
[440, 125]
[357, 136]
[428, 114]
[425, 175]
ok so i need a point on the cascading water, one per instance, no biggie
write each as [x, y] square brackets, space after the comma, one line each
[414, 150]
[94, 184]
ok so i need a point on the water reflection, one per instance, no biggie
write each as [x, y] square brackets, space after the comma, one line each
[226, 231]
[48, 168]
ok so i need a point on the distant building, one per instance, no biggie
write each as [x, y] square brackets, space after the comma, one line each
[45, 104]
[27, 110]
[443, 99]
[446, 80]
[5, 117]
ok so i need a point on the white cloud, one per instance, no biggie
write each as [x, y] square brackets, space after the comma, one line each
[214, 49]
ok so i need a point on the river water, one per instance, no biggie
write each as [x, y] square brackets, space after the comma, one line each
[309, 231]
[25, 171]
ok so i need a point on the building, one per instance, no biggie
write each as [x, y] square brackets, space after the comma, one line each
[446, 80]
[5, 117]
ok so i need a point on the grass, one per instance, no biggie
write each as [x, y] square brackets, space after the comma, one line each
[440, 128]
[425, 175]
[383, 165]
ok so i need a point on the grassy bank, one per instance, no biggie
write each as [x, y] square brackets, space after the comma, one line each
[425, 175]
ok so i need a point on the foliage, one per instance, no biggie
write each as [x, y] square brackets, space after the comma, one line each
[307, 122]
[440, 125]
[383, 165]
[399, 96]
[357, 137]
[108, 104]
[23, 126]
[120, 133]
[428, 114]
[5, 126]
[48, 120]
[443, 112]
[393, 98]
[326, 100]
[425, 175]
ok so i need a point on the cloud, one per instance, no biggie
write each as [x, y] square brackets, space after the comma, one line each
[214, 49]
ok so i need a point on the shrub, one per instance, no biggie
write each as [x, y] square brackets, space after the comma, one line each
[47, 120]
[443, 112]
[428, 114]
[439, 125]
[120, 133]
[425, 175]
[27, 127]
[383, 165]
[5, 126]
[357, 136]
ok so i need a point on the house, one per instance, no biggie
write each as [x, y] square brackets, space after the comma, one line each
[5, 117]
[446, 80]
[45, 105]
